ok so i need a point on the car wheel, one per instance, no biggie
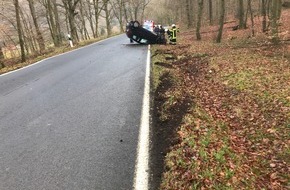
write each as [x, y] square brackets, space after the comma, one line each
[136, 24]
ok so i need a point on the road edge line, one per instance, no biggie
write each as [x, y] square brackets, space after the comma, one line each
[141, 177]
[33, 64]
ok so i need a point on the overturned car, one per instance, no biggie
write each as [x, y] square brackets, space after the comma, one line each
[137, 33]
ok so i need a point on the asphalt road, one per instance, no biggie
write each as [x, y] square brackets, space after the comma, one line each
[71, 122]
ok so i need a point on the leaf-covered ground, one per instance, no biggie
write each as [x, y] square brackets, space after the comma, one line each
[228, 105]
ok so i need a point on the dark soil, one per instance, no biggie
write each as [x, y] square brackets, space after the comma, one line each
[164, 132]
[166, 65]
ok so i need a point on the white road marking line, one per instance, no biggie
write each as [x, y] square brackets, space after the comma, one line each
[30, 65]
[141, 179]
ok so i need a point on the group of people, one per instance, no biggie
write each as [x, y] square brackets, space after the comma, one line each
[160, 31]
[172, 33]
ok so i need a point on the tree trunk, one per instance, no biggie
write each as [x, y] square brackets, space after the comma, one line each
[274, 21]
[252, 17]
[279, 9]
[125, 12]
[221, 21]
[264, 15]
[2, 65]
[246, 18]
[121, 16]
[117, 8]
[52, 23]
[143, 7]
[199, 16]
[19, 30]
[28, 35]
[136, 12]
[210, 12]
[57, 23]
[82, 17]
[97, 14]
[217, 9]
[89, 15]
[39, 37]
[131, 12]
[70, 7]
[241, 14]
[188, 13]
[107, 17]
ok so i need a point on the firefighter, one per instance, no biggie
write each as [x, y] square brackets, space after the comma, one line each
[172, 34]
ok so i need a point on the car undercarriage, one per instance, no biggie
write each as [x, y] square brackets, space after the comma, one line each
[137, 33]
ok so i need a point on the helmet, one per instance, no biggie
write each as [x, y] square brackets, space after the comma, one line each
[173, 25]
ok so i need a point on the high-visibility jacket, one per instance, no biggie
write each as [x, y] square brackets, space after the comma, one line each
[173, 33]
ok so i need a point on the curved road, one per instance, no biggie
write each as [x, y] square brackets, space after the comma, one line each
[71, 122]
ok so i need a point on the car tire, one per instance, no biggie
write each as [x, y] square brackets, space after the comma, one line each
[136, 24]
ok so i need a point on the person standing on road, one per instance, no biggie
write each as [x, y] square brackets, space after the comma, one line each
[172, 34]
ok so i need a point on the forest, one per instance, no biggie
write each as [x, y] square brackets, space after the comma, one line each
[221, 96]
[34, 27]
[30, 27]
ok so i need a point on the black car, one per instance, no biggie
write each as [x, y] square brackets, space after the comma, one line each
[137, 33]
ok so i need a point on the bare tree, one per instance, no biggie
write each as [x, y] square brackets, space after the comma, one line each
[53, 22]
[264, 15]
[252, 17]
[89, 14]
[107, 9]
[126, 11]
[2, 65]
[221, 21]
[189, 10]
[117, 6]
[275, 6]
[137, 8]
[40, 39]
[83, 29]
[57, 22]
[97, 9]
[30, 38]
[19, 30]
[70, 7]
[199, 16]
[242, 23]
[210, 12]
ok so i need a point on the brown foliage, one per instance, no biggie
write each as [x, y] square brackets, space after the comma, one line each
[236, 134]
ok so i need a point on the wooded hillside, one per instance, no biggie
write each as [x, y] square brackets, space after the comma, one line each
[30, 27]
[222, 109]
